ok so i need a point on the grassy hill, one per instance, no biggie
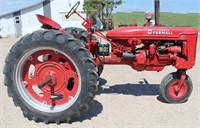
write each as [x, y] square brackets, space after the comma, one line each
[166, 18]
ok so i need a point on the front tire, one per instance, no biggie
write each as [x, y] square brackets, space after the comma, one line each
[54, 90]
[168, 85]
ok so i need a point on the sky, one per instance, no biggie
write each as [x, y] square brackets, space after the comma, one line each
[13, 5]
[177, 6]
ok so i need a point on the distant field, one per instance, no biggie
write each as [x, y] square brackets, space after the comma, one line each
[167, 19]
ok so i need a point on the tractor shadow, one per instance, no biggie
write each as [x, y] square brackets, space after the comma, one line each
[95, 108]
[142, 88]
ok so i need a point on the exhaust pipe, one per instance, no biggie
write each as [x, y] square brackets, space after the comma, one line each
[156, 11]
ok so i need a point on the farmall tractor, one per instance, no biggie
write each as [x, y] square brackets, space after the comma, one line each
[52, 74]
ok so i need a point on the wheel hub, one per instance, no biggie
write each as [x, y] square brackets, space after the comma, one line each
[56, 72]
[53, 81]
[174, 92]
[53, 77]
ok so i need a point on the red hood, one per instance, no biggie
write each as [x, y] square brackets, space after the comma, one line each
[151, 32]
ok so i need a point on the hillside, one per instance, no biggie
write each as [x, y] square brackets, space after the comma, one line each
[166, 18]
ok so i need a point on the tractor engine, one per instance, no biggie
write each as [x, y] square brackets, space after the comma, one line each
[152, 48]
[142, 55]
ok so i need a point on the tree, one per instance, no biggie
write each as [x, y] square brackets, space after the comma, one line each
[91, 7]
[102, 9]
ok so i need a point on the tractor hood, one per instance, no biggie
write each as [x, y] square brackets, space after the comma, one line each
[146, 32]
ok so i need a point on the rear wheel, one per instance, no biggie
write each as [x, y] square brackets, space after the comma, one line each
[169, 85]
[56, 89]
[82, 35]
[78, 33]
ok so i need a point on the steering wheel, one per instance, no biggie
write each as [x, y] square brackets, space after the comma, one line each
[73, 9]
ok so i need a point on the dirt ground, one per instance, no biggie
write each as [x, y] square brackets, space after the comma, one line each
[126, 99]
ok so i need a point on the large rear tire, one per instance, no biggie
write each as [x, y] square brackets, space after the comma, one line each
[54, 90]
[82, 35]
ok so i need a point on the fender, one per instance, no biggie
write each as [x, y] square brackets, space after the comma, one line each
[48, 23]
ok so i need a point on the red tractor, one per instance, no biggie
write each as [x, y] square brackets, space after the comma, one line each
[52, 74]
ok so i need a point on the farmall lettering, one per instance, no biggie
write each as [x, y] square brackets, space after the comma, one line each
[159, 32]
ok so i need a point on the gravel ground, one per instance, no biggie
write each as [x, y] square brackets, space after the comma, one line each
[126, 99]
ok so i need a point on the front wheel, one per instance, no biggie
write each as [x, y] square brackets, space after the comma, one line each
[56, 89]
[169, 85]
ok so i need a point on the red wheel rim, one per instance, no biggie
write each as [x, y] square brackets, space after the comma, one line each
[172, 90]
[38, 66]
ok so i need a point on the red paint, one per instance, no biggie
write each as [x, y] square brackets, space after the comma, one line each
[172, 90]
[186, 36]
[181, 81]
[153, 33]
[48, 23]
[150, 48]
[141, 57]
[59, 72]
[146, 47]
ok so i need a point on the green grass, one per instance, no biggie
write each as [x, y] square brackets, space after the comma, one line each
[166, 19]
